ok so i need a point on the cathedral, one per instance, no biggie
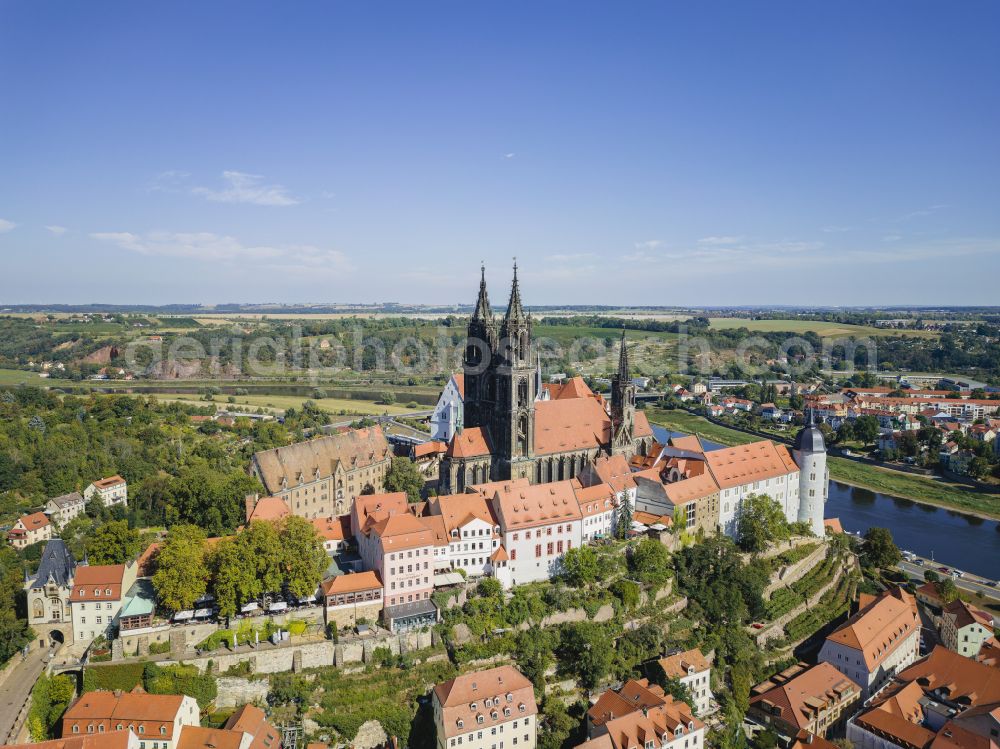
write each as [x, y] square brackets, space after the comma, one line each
[515, 426]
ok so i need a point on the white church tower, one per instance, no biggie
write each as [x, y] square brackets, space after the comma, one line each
[809, 452]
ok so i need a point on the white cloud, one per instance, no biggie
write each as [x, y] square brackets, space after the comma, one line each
[218, 248]
[57, 230]
[720, 240]
[892, 238]
[835, 229]
[509, 155]
[172, 180]
[649, 244]
[6, 226]
[246, 188]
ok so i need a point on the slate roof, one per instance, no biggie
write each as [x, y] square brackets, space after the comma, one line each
[57, 563]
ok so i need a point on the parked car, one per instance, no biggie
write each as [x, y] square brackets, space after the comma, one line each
[944, 570]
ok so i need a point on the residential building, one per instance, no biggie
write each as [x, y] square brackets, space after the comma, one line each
[486, 710]
[30, 529]
[471, 529]
[539, 523]
[757, 468]
[964, 628]
[818, 699]
[265, 508]
[634, 695]
[695, 502]
[320, 478]
[671, 725]
[335, 532]
[137, 608]
[49, 593]
[447, 418]
[98, 594]
[156, 719]
[347, 599]
[692, 670]
[111, 491]
[944, 701]
[64, 508]
[598, 505]
[514, 426]
[123, 740]
[401, 549]
[880, 640]
[248, 724]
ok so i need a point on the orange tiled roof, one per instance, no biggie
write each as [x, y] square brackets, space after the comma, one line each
[101, 577]
[432, 447]
[109, 482]
[743, 464]
[459, 378]
[691, 489]
[459, 509]
[352, 583]
[675, 666]
[333, 529]
[131, 708]
[635, 694]
[800, 699]
[250, 719]
[539, 504]
[34, 521]
[269, 508]
[458, 695]
[469, 443]
[403, 531]
[570, 424]
[880, 627]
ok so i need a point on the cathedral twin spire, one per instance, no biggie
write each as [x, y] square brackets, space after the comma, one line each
[515, 310]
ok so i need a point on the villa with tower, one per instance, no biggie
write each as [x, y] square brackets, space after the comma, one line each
[513, 426]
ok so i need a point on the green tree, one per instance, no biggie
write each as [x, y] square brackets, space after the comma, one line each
[14, 630]
[262, 545]
[947, 590]
[879, 550]
[113, 543]
[650, 562]
[234, 576]
[303, 558]
[586, 650]
[489, 587]
[580, 566]
[623, 519]
[866, 429]
[181, 577]
[404, 476]
[761, 522]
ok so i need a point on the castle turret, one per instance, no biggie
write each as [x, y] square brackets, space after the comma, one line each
[809, 452]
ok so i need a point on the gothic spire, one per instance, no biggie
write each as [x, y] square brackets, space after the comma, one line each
[623, 369]
[514, 309]
[483, 309]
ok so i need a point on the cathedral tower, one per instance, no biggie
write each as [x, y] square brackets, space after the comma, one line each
[622, 405]
[513, 431]
[479, 361]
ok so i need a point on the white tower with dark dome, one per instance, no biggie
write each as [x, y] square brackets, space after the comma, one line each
[809, 452]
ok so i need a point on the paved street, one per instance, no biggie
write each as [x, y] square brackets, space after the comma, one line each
[968, 582]
[15, 690]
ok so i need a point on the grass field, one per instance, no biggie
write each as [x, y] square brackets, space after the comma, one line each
[895, 483]
[18, 376]
[282, 402]
[822, 329]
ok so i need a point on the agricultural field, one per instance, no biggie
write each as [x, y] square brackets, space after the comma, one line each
[279, 403]
[820, 328]
[18, 376]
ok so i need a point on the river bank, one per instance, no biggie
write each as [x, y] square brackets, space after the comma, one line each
[919, 489]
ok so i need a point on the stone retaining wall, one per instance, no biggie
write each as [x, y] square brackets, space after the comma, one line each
[791, 574]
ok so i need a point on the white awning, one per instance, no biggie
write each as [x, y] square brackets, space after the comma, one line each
[183, 616]
[248, 607]
[202, 613]
[658, 527]
[278, 606]
[448, 578]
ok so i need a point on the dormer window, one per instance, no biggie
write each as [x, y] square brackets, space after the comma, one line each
[506, 712]
[473, 706]
[460, 723]
[494, 715]
[107, 592]
[510, 697]
[480, 719]
[97, 592]
[521, 707]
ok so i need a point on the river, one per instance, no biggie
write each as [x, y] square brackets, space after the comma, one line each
[956, 540]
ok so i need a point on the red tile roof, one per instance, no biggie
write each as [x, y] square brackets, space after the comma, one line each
[100, 577]
[352, 583]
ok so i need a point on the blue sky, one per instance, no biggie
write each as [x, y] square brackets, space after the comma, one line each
[692, 153]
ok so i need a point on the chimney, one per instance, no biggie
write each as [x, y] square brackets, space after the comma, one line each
[249, 502]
